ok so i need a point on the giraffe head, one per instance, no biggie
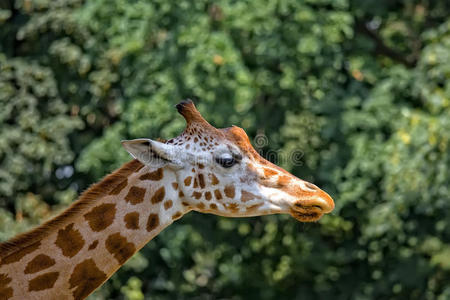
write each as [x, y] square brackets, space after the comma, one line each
[218, 171]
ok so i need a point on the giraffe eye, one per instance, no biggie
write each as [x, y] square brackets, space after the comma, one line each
[226, 162]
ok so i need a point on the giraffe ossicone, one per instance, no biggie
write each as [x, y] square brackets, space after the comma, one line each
[204, 169]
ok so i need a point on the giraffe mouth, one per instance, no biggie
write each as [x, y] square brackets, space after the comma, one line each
[307, 217]
[312, 209]
[306, 213]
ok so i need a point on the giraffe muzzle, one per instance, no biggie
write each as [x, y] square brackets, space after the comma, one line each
[314, 208]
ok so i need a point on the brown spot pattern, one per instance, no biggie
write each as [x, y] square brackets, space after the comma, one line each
[168, 204]
[208, 196]
[132, 220]
[195, 183]
[39, 263]
[232, 206]
[187, 181]
[95, 192]
[213, 206]
[269, 172]
[139, 167]
[159, 195]
[217, 194]
[229, 191]
[180, 194]
[93, 245]
[213, 179]
[85, 278]
[254, 207]
[283, 180]
[6, 292]
[201, 166]
[152, 222]
[69, 240]
[201, 180]
[175, 185]
[119, 247]
[155, 175]
[135, 195]
[197, 195]
[119, 187]
[246, 196]
[16, 256]
[43, 282]
[176, 216]
[102, 216]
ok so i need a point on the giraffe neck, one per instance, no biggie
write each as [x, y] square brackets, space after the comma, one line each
[74, 253]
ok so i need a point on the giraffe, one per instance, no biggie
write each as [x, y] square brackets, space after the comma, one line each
[204, 169]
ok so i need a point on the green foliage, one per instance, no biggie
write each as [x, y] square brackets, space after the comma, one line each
[351, 94]
[33, 138]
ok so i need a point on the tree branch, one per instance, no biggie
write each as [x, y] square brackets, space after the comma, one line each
[381, 48]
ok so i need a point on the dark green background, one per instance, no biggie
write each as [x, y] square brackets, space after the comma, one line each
[359, 88]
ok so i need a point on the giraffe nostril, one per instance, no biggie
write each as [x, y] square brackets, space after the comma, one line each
[311, 186]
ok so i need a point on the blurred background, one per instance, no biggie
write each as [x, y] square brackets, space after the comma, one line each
[358, 89]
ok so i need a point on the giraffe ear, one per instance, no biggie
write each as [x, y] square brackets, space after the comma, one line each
[153, 153]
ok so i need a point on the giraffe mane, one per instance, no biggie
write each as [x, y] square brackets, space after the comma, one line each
[93, 193]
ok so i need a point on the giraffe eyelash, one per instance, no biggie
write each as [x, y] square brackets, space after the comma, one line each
[226, 162]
